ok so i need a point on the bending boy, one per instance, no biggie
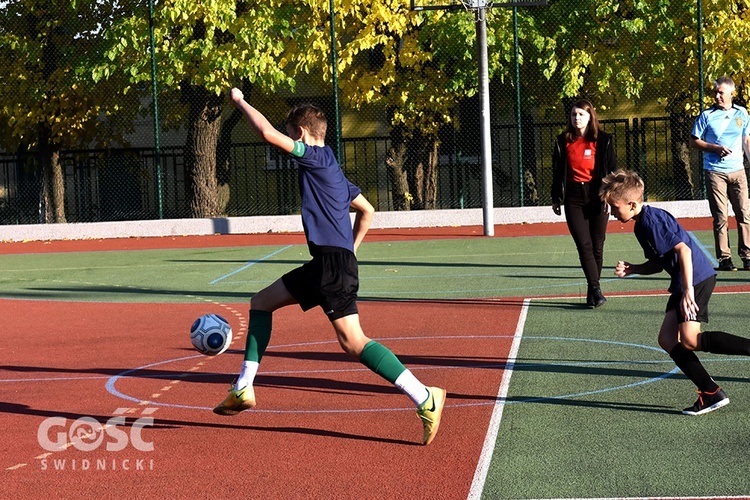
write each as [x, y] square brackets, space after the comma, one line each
[667, 246]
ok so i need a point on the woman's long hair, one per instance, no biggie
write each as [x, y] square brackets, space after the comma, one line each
[592, 129]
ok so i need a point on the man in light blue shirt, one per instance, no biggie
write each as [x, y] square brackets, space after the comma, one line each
[722, 132]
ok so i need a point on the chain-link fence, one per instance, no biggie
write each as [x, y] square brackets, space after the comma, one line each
[118, 110]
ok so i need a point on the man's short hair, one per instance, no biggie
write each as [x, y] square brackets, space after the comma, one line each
[724, 80]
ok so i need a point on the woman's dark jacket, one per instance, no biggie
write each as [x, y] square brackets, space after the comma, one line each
[605, 162]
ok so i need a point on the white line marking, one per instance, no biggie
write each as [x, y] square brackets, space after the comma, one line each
[480, 475]
[249, 264]
[490, 440]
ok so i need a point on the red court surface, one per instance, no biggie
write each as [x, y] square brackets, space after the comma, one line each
[325, 427]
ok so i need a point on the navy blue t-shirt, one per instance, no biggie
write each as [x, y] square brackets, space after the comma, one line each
[326, 196]
[658, 232]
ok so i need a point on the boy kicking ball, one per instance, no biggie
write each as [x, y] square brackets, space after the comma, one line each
[668, 247]
[331, 279]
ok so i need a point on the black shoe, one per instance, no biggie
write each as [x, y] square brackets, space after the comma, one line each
[746, 264]
[595, 298]
[726, 264]
[707, 401]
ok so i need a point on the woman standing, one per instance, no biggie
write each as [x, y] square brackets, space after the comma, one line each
[582, 157]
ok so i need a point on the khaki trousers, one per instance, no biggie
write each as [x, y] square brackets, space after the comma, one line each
[721, 189]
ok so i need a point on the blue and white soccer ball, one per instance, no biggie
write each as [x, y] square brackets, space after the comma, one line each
[211, 334]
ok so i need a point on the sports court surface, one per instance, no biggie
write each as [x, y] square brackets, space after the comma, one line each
[546, 399]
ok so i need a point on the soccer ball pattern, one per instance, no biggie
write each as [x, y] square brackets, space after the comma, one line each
[211, 334]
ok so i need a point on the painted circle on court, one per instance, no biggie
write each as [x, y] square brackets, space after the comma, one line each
[112, 381]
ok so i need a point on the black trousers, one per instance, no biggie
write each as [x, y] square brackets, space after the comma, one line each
[587, 220]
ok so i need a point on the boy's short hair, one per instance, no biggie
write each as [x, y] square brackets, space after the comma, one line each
[309, 116]
[622, 185]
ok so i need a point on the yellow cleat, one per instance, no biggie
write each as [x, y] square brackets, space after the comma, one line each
[237, 401]
[430, 412]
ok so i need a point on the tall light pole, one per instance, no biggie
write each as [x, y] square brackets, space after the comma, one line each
[157, 141]
[519, 131]
[488, 200]
[335, 78]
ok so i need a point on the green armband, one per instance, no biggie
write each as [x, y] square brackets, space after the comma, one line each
[298, 150]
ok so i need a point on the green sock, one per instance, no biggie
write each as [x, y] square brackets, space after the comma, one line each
[258, 335]
[382, 361]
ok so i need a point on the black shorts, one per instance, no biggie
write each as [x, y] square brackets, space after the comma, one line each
[703, 291]
[330, 280]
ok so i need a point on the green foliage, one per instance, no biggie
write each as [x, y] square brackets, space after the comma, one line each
[636, 51]
[47, 50]
[418, 65]
[212, 45]
[74, 62]
[727, 30]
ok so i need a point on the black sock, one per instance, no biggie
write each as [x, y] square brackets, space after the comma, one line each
[691, 366]
[724, 343]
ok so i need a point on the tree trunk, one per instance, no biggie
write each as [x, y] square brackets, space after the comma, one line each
[422, 169]
[415, 172]
[224, 151]
[204, 124]
[53, 181]
[528, 150]
[395, 161]
[223, 154]
[680, 125]
[431, 177]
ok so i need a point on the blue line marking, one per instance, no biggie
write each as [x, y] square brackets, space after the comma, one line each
[713, 260]
[250, 263]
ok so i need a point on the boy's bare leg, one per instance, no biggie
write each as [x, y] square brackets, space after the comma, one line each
[378, 358]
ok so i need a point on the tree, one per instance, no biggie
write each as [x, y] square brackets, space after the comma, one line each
[202, 49]
[637, 51]
[47, 50]
[418, 66]
[644, 58]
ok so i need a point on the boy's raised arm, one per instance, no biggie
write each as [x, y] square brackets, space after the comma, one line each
[260, 123]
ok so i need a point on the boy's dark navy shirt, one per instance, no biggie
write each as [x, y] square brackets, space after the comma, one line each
[326, 195]
[658, 232]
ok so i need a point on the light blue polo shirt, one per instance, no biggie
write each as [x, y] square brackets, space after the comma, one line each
[725, 127]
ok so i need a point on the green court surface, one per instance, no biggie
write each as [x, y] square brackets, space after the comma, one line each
[434, 269]
[592, 408]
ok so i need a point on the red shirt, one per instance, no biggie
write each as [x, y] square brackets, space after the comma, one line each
[581, 154]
